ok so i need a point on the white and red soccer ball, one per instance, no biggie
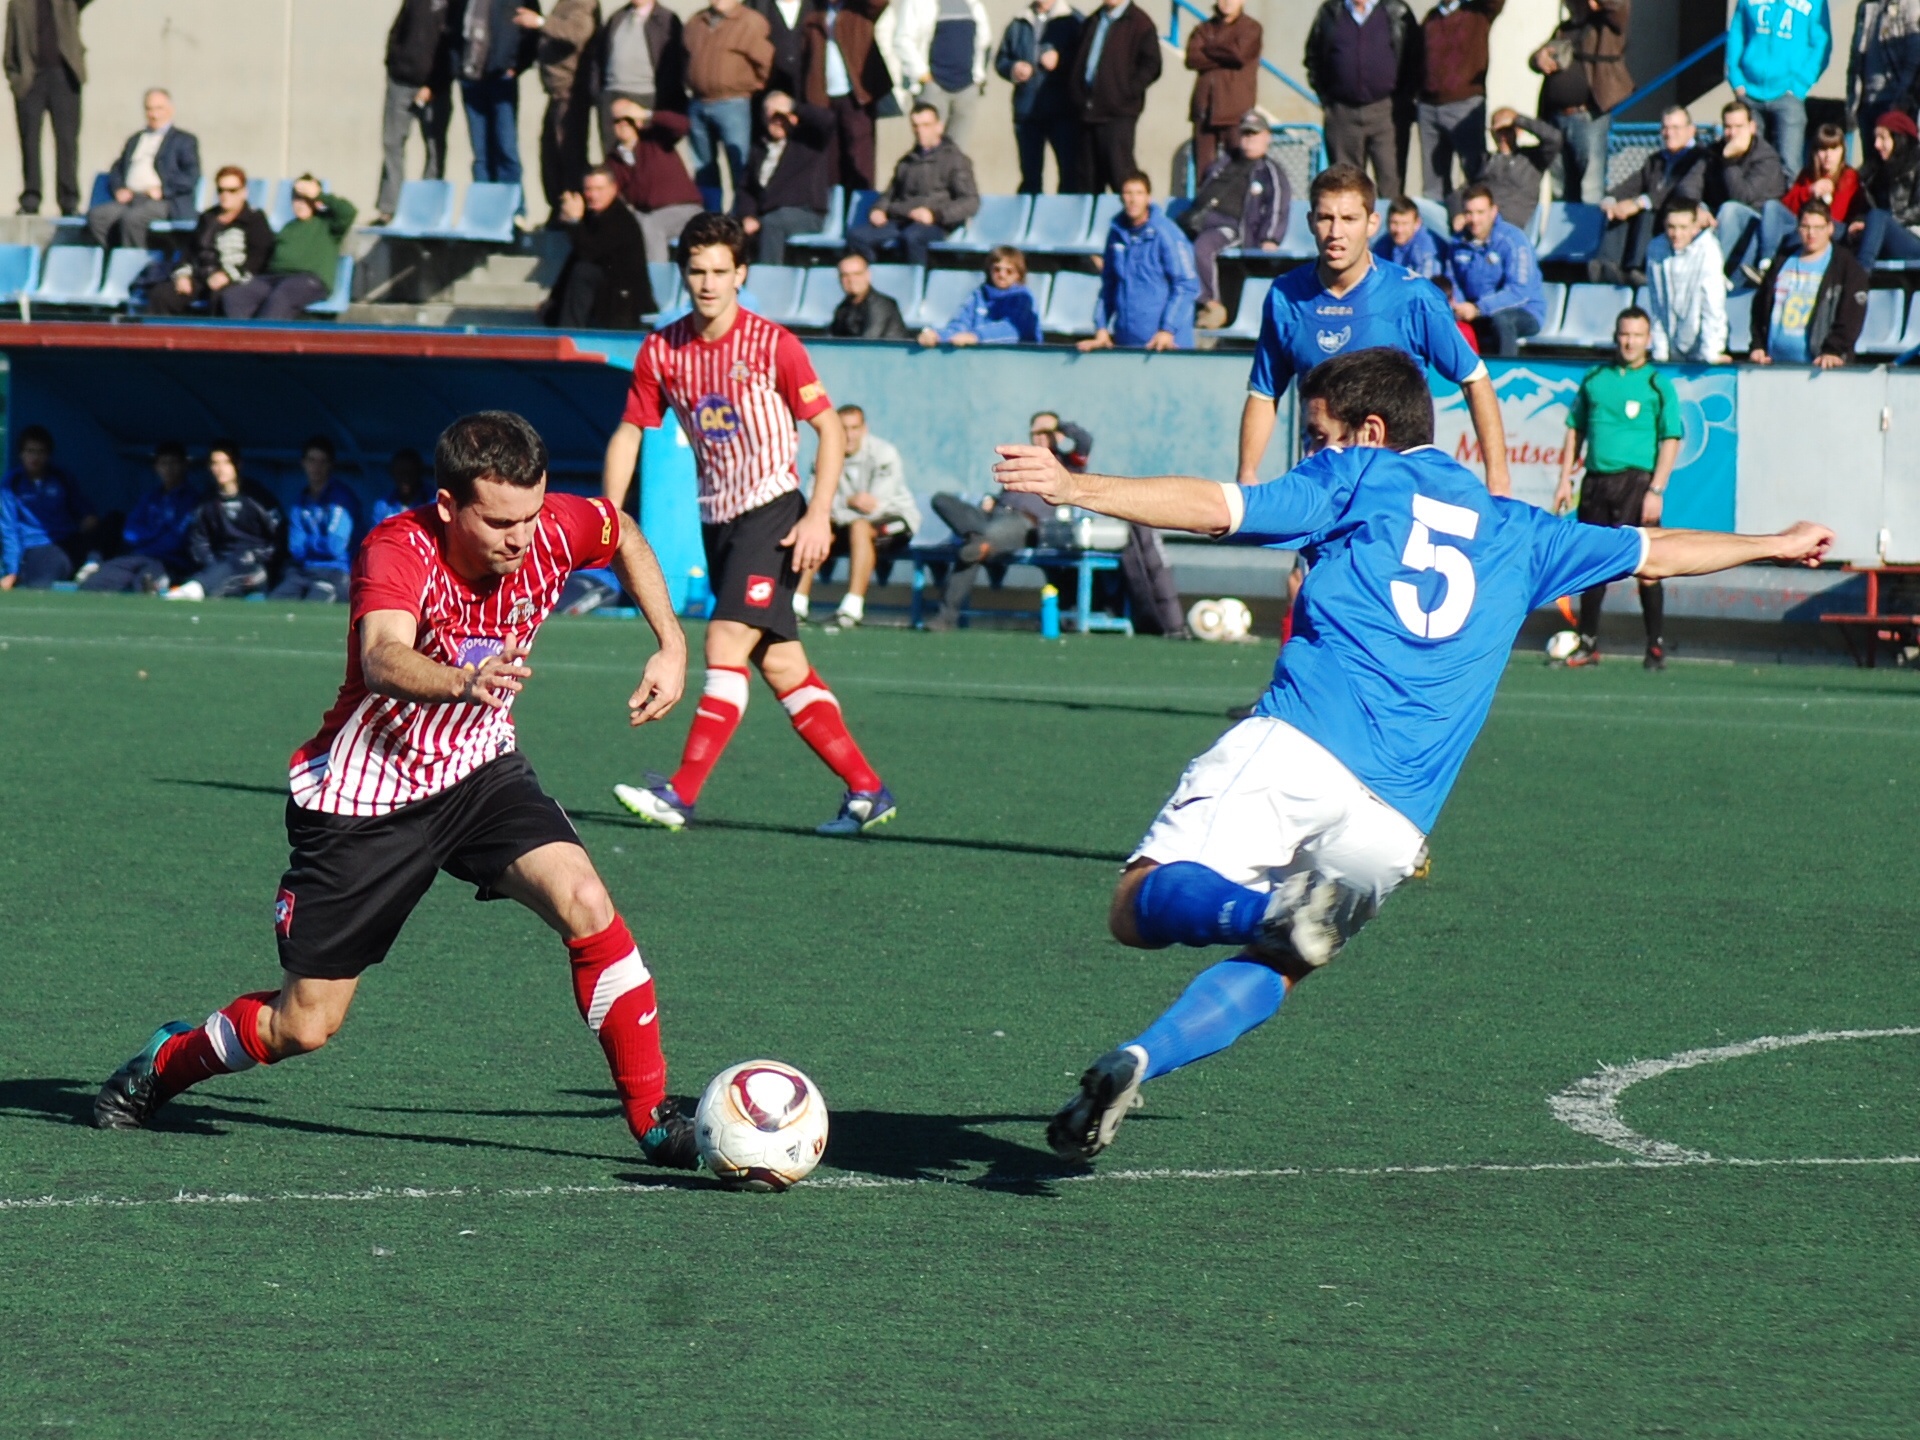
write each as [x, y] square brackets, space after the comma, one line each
[761, 1125]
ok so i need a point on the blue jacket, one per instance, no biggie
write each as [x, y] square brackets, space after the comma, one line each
[1421, 254]
[1149, 282]
[998, 317]
[320, 532]
[1778, 47]
[1503, 274]
[42, 512]
[389, 506]
[158, 523]
[177, 162]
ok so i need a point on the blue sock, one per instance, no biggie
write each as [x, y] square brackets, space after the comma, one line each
[1187, 904]
[1223, 1003]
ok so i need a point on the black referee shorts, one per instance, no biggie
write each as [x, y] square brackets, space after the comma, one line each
[1613, 497]
[751, 573]
[354, 879]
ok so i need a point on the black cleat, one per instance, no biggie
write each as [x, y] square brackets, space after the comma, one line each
[1111, 1087]
[131, 1096]
[669, 1141]
[1656, 656]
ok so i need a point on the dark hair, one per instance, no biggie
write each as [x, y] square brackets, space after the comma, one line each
[1633, 312]
[605, 172]
[226, 448]
[926, 107]
[1479, 190]
[1742, 106]
[853, 410]
[1401, 205]
[170, 447]
[32, 433]
[1011, 254]
[490, 445]
[322, 443]
[1343, 180]
[1816, 206]
[707, 229]
[1383, 382]
[1131, 177]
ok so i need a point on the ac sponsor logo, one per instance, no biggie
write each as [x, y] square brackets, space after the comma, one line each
[716, 419]
[760, 591]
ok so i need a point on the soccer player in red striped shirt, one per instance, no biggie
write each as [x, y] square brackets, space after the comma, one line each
[415, 770]
[739, 385]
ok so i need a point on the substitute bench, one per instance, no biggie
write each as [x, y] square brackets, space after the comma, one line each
[1892, 613]
[1080, 615]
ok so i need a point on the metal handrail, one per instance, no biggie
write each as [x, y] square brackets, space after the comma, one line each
[1173, 38]
[1665, 75]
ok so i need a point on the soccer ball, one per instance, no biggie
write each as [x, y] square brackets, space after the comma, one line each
[761, 1125]
[1206, 621]
[1562, 643]
[1236, 621]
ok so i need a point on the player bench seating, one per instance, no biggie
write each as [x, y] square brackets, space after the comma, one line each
[1891, 617]
[1086, 563]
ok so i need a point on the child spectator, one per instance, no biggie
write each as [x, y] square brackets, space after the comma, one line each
[1687, 292]
[1829, 177]
[1000, 312]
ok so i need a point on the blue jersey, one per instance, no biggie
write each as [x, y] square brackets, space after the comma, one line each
[1392, 309]
[1420, 580]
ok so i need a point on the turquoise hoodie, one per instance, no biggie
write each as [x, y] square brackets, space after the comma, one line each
[1778, 47]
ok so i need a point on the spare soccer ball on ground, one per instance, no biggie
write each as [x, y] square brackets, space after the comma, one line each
[1227, 619]
[1562, 643]
[1236, 620]
[761, 1125]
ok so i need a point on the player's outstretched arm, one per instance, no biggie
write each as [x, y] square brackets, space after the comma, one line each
[1168, 502]
[1701, 552]
[623, 455]
[394, 668]
[665, 677]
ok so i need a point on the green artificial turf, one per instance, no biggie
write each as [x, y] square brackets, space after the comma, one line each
[439, 1226]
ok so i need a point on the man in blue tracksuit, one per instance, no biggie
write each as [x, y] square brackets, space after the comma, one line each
[153, 540]
[46, 524]
[1496, 277]
[1777, 50]
[1149, 285]
[320, 526]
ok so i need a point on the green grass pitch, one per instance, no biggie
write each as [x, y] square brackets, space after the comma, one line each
[440, 1227]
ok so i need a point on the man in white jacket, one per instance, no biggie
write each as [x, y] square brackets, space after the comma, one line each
[939, 52]
[1687, 292]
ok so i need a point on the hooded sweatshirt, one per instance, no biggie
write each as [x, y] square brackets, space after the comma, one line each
[1687, 298]
[1778, 47]
[997, 317]
[1149, 283]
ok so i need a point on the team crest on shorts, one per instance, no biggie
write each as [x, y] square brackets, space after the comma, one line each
[760, 591]
[1332, 340]
[715, 418]
[520, 614]
[283, 913]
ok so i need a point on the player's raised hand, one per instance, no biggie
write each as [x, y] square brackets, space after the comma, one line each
[660, 688]
[810, 542]
[1805, 542]
[1036, 470]
[498, 678]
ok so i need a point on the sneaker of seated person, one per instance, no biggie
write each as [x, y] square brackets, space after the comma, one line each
[853, 609]
[801, 605]
[187, 590]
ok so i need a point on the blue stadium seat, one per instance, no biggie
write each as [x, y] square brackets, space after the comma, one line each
[901, 284]
[1000, 220]
[669, 289]
[1099, 220]
[819, 297]
[425, 208]
[1570, 233]
[487, 213]
[945, 291]
[259, 192]
[1058, 223]
[122, 269]
[279, 206]
[70, 275]
[1041, 285]
[1740, 322]
[1554, 298]
[1434, 216]
[1253, 305]
[100, 194]
[19, 271]
[1588, 321]
[1886, 322]
[342, 293]
[1297, 244]
[1909, 337]
[833, 232]
[1070, 307]
[203, 196]
[777, 287]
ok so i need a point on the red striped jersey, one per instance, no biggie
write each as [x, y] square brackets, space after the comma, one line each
[374, 753]
[738, 399]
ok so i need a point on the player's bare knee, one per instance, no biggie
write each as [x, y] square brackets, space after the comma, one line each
[586, 905]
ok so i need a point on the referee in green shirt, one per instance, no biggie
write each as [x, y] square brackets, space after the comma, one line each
[1627, 417]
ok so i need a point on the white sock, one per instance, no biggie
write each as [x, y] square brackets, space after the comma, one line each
[800, 606]
[854, 606]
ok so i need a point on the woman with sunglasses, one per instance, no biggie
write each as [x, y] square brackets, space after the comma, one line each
[232, 243]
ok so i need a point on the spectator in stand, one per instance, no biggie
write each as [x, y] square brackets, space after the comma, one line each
[1001, 312]
[729, 56]
[153, 538]
[1744, 183]
[1453, 91]
[784, 190]
[604, 284]
[1035, 55]
[940, 50]
[866, 314]
[232, 243]
[640, 54]
[847, 74]
[489, 54]
[648, 174]
[419, 91]
[1583, 72]
[306, 253]
[1812, 304]
[932, 195]
[1513, 172]
[1777, 50]
[320, 532]
[783, 19]
[1224, 53]
[1883, 65]
[1496, 277]
[46, 65]
[1891, 184]
[407, 470]
[1148, 283]
[565, 35]
[1627, 416]
[1363, 61]
[1244, 199]
[234, 534]
[1118, 58]
[154, 179]
[1405, 240]
[874, 517]
[48, 526]
[1829, 177]
[1674, 174]
[1687, 292]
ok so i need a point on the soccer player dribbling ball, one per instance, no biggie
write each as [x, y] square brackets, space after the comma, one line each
[1286, 837]
[739, 385]
[415, 770]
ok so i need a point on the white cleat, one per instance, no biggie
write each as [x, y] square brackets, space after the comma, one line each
[660, 805]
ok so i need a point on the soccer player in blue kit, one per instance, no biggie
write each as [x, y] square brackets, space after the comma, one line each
[1286, 836]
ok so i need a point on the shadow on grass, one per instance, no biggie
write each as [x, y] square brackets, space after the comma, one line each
[279, 792]
[1206, 712]
[889, 837]
[893, 1146]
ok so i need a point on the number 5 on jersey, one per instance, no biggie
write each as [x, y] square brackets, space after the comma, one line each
[1431, 517]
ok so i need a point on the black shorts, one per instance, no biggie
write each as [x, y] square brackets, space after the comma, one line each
[354, 879]
[1613, 497]
[751, 572]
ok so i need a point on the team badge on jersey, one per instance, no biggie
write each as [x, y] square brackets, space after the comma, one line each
[283, 913]
[740, 371]
[1633, 409]
[760, 591]
[520, 614]
[716, 418]
[1332, 340]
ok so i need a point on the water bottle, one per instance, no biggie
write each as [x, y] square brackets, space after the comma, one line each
[1049, 613]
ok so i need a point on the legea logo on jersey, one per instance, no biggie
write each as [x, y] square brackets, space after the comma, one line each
[715, 418]
[1333, 340]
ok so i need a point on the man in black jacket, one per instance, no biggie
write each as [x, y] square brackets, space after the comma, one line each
[154, 179]
[1816, 292]
[865, 314]
[789, 38]
[604, 285]
[235, 534]
[419, 89]
[1366, 72]
[1743, 174]
[1117, 59]
[1036, 54]
[45, 66]
[784, 189]
[1636, 208]
[232, 243]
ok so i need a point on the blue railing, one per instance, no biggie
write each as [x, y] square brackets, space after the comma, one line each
[1173, 38]
[1665, 75]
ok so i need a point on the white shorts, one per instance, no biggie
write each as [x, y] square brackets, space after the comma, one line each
[1267, 803]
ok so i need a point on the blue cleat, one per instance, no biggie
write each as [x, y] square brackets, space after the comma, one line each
[131, 1095]
[861, 811]
[658, 804]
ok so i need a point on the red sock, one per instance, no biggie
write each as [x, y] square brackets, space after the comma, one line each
[816, 715]
[1286, 627]
[229, 1042]
[722, 703]
[615, 994]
